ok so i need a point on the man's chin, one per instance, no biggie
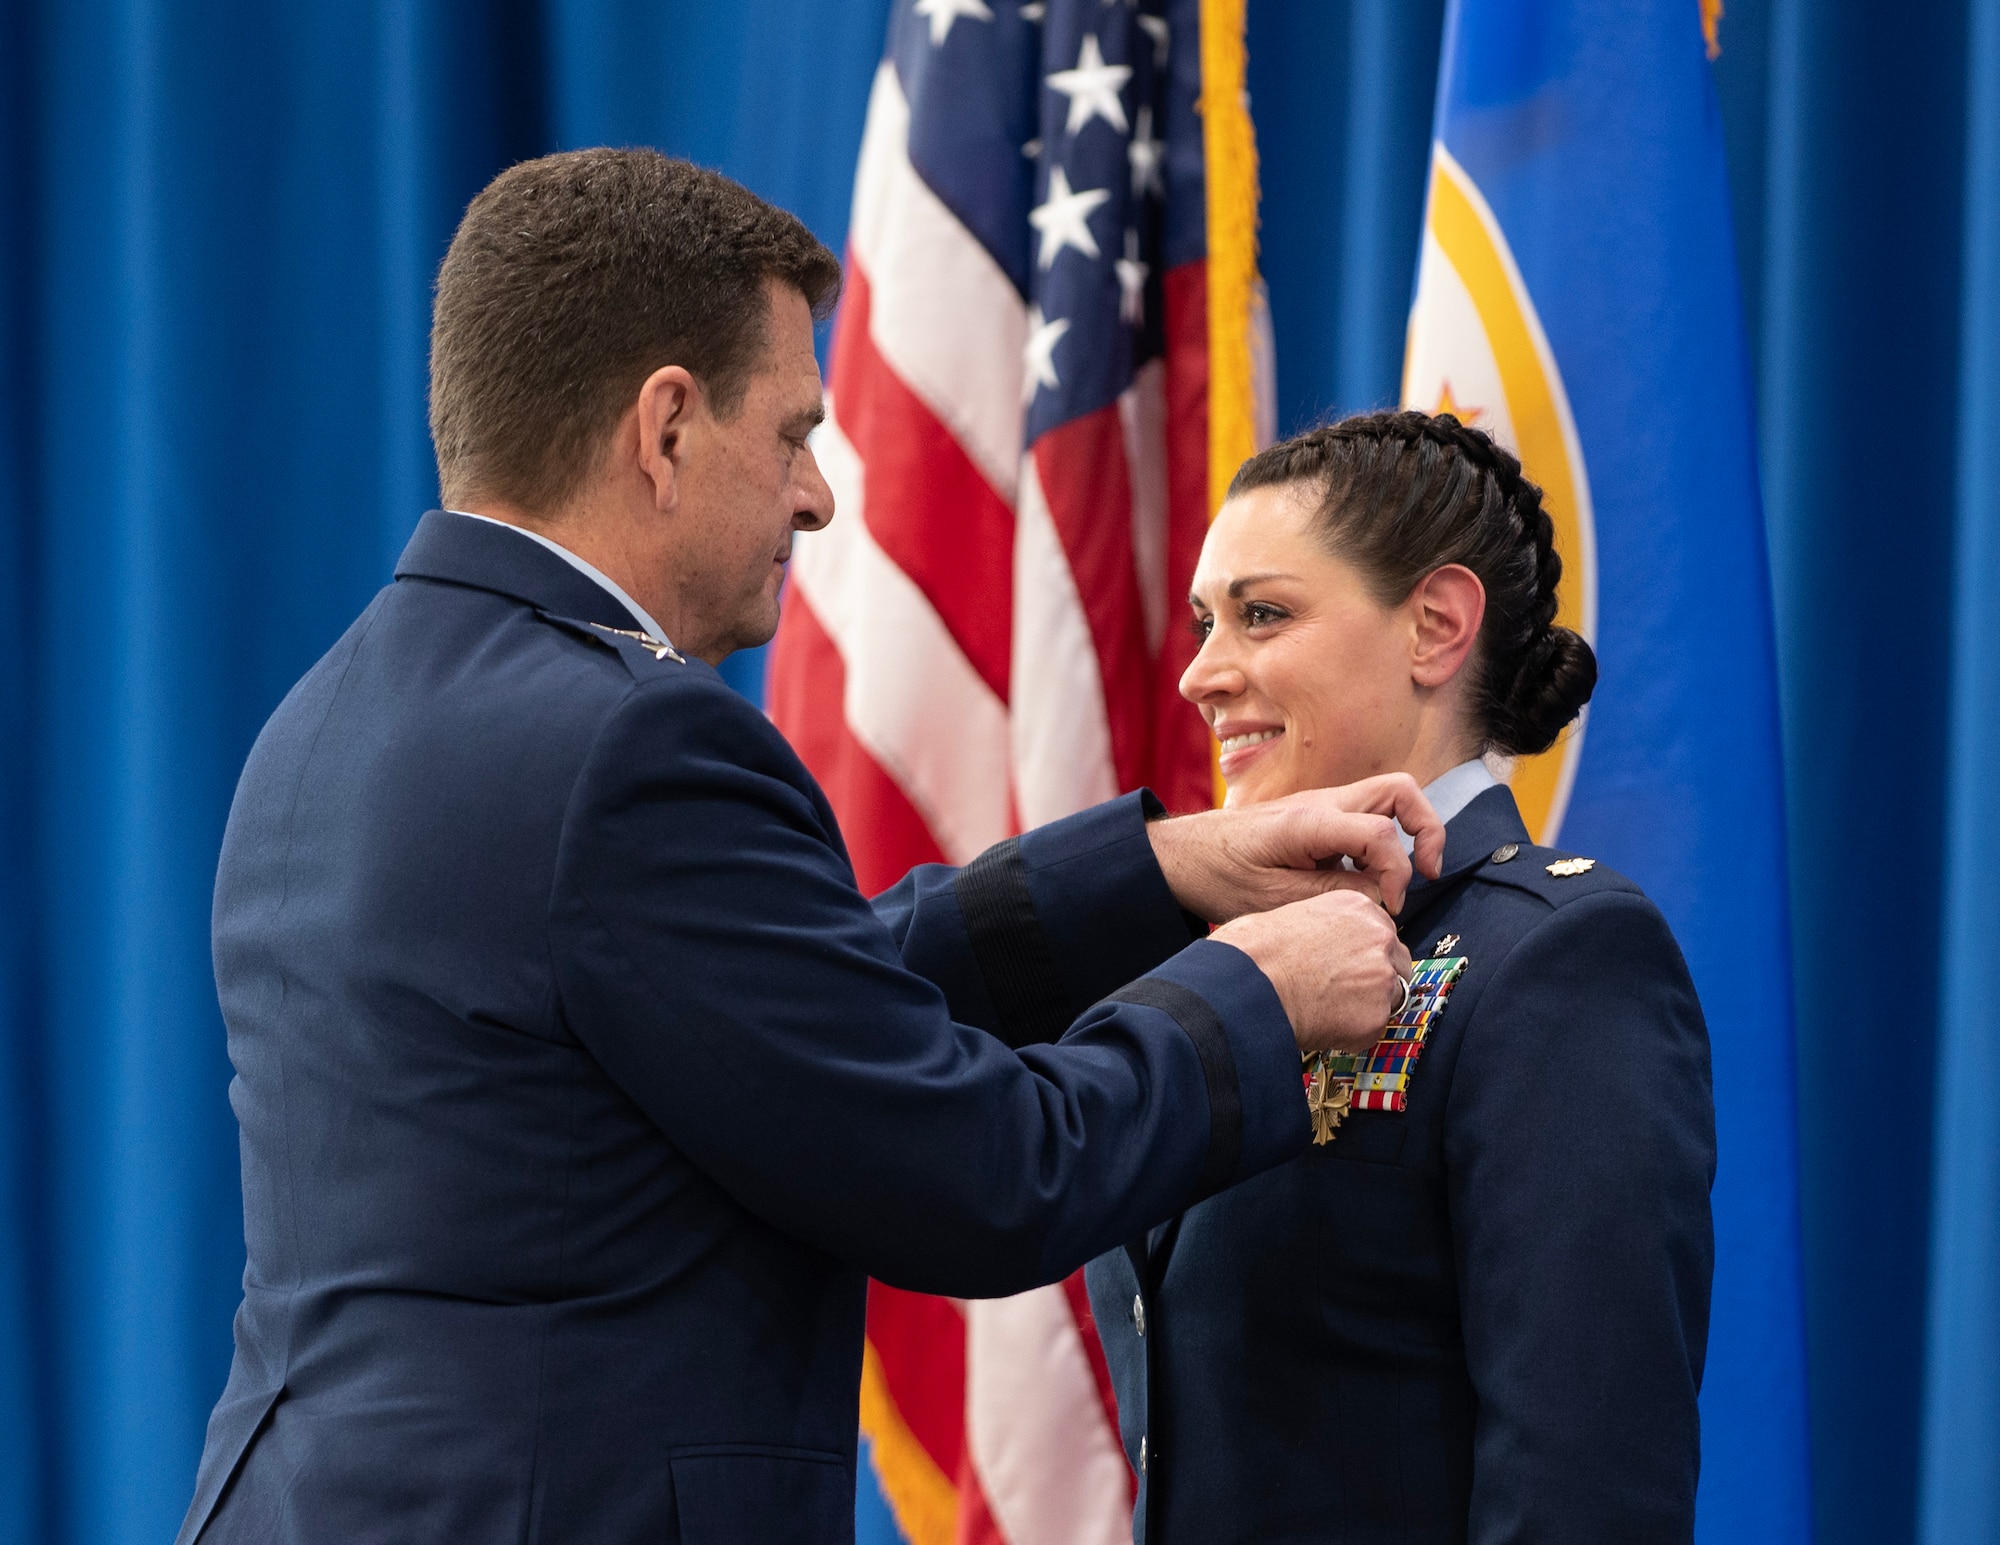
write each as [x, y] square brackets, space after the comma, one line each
[753, 630]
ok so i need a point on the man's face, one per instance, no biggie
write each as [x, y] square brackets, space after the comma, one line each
[747, 482]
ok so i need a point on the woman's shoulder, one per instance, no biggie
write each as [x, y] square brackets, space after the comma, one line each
[1548, 899]
[1571, 973]
[1542, 923]
[1555, 876]
[1501, 889]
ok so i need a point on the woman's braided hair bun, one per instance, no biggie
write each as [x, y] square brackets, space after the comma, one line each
[1402, 493]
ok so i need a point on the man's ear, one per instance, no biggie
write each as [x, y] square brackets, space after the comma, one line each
[668, 402]
[1446, 608]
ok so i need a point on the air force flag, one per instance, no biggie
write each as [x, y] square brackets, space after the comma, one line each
[1577, 297]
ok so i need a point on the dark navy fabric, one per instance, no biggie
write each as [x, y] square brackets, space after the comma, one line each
[1479, 1319]
[580, 1090]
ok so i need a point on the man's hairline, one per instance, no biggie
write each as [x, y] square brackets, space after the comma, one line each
[773, 283]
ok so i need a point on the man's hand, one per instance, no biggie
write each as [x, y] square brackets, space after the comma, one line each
[1335, 961]
[1223, 863]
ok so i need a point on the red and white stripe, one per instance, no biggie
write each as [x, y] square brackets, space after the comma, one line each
[980, 642]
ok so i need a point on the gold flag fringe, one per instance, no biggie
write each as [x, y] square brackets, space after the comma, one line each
[1229, 153]
[921, 1496]
[1229, 146]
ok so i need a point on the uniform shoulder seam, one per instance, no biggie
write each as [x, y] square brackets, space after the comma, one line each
[1529, 871]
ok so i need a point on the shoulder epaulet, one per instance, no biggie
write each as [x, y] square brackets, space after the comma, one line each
[658, 648]
[1550, 873]
[627, 642]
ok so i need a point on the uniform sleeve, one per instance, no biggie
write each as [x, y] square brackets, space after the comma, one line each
[1580, 1144]
[1037, 928]
[713, 954]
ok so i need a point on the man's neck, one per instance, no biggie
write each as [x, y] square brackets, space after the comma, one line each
[560, 537]
[594, 535]
[555, 528]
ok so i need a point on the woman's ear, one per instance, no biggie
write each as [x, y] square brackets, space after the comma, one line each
[1447, 605]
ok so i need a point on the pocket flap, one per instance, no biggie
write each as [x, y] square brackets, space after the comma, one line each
[763, 1496]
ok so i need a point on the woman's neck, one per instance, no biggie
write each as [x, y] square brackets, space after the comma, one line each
[1437, 751]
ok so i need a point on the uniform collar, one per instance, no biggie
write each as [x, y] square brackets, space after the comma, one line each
[490, 556]
[584, 567]
[1487, 823]
[1451, 792]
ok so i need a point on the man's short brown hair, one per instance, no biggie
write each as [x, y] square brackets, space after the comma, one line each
[574, 277]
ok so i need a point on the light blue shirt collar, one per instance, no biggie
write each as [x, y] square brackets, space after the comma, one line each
[590, 571]
[1452, 791]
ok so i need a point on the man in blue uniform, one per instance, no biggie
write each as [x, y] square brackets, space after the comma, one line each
[579, 1088]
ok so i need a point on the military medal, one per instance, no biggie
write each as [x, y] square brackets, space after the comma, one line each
[1337, 1082]
[1329, 1090]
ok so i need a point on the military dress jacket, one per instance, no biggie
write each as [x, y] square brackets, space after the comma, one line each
[580, 1090]
[1483, 1317]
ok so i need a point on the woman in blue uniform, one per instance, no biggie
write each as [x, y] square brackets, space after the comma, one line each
[1482, 1316]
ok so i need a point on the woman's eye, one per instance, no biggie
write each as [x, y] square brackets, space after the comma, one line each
[1258, 615]
[1201, 627]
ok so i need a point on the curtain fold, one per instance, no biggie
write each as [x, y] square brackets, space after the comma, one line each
[1342, 94]
[1862, 252]
[1960, 1497]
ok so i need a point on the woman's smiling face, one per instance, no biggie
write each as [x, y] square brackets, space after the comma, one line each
[1303, 675]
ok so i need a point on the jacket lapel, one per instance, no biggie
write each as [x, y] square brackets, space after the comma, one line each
[1149, 1253]
[1471, 838]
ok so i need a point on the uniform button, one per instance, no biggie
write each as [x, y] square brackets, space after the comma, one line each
[1505, 851]
[1142, 1455]
[1139, 1315]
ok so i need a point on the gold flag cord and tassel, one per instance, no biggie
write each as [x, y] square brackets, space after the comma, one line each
[1229, 148]
[1229, 153]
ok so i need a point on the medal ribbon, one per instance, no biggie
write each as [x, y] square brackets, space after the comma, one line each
[1338, 1081]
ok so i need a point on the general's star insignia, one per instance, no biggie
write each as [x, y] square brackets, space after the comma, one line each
[660, 651]
[1564, 868]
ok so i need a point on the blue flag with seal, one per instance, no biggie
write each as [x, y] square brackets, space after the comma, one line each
[1577, 297]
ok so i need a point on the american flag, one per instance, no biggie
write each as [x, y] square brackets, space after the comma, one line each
[990, 634]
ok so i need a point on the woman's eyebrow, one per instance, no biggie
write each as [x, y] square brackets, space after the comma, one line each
[1238, 586]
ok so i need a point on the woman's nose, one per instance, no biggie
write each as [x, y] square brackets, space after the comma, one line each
[1210, 674]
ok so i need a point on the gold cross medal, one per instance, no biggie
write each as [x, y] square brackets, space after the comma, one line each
[1337, 1082]
[1329, 1090]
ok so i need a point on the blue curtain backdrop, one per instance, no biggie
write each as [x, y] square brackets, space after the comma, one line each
[217, 226]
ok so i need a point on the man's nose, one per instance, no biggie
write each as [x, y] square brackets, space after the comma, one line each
[813, 506]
